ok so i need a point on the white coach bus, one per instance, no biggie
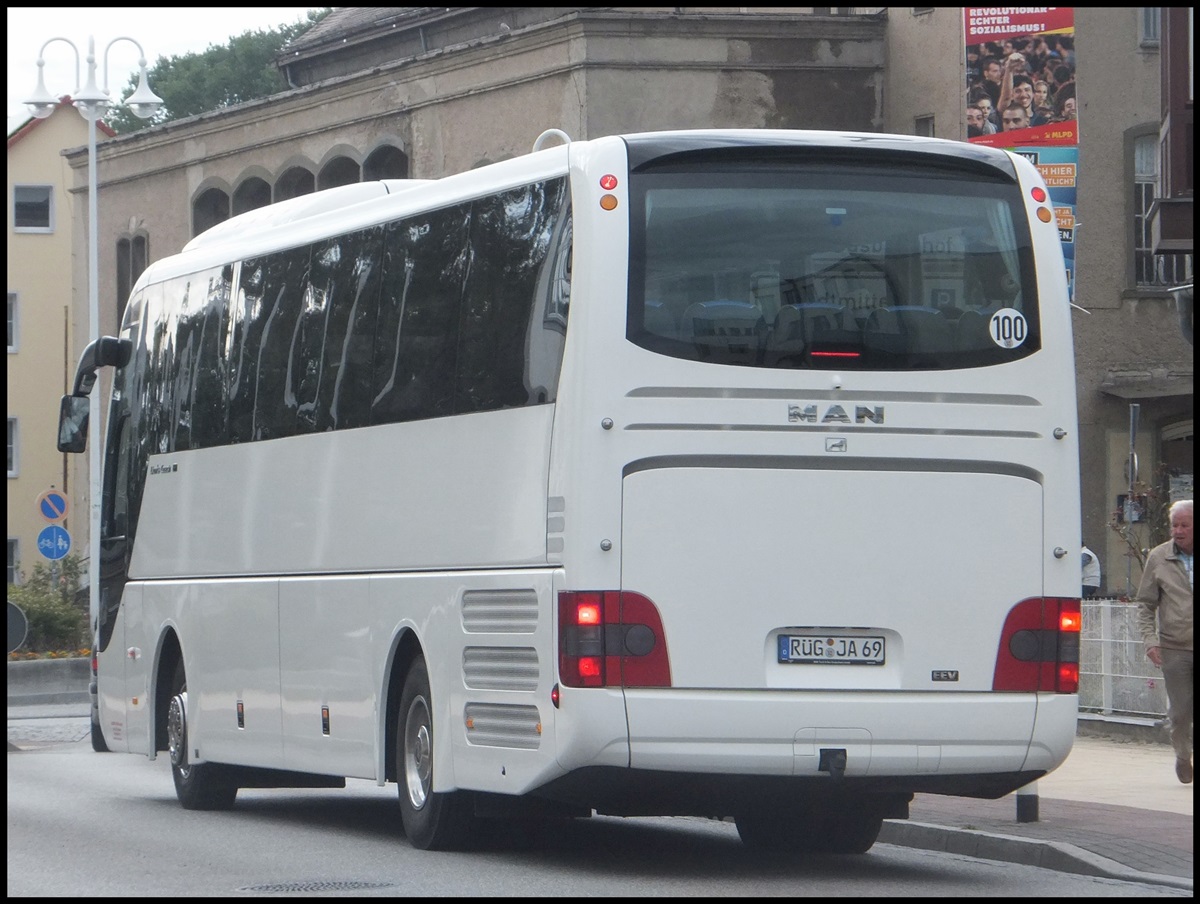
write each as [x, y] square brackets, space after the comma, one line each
[722, 473]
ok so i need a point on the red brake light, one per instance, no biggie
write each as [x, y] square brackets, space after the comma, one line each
[587, 614]
[610, 638]
[1039, 647]
[1038, 194]
[1068, 678]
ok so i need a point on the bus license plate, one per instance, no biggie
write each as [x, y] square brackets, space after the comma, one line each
[831, 649]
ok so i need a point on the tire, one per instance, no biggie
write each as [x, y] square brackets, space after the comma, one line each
[813, 833]
[432, 821]
[205, 786]
[98, 743]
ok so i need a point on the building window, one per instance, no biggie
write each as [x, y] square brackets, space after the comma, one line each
[209, 209]
[1149, 27]
[339, 171]
[1151, 270]
[12, 447]
[131, 261]
[385, 162]
[251, 195]
[12, 322]
[13, 560]
[923, 126]
[33, 208]
[295, 182]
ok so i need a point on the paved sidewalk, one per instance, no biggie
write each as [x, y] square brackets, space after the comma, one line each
[1113, 809]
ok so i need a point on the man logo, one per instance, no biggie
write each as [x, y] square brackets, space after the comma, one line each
[835, 414]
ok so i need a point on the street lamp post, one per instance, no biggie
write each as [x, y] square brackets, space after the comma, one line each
[93, 102]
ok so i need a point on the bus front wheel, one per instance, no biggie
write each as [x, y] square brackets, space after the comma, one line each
[203, 786]
[432, 820]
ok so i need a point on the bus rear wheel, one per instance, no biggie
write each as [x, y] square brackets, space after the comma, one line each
[811, 833]
[432, 820]
[202, 786]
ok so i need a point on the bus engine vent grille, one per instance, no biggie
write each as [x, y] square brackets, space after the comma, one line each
[503, 725]
[500, 611]
[501, 668]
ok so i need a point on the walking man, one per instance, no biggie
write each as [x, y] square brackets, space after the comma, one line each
[1164, 600]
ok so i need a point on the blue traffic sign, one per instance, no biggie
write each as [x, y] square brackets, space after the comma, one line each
[53, 505]
[54, 542]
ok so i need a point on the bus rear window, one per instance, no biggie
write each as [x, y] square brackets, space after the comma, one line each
[826, 266]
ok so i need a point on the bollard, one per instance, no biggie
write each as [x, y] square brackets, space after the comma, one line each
[1027, 803]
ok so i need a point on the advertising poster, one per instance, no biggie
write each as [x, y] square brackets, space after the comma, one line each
[1059, 166]
[1020, 75]
[1020, 95]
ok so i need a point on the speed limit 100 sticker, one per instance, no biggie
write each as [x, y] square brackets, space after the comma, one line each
[1008, 328]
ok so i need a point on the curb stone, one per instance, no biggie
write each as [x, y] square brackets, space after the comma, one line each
[1054, 855]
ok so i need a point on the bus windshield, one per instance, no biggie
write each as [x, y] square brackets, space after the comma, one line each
[831, 265]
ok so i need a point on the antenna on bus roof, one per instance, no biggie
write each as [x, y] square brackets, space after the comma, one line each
[551, 133]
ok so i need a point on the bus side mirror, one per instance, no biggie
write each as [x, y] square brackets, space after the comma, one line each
[107, 351]
[73, 423]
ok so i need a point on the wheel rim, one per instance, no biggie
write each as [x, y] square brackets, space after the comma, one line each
[177, 732]
[418, 753]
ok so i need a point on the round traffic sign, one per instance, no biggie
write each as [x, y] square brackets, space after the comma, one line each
[18, 625]
[54, 542]
[52, 505]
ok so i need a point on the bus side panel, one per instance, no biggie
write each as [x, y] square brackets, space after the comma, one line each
[329, 671]
[110, 672]
[346, 500]
[229, 633]
[489, 645]
[140, 661]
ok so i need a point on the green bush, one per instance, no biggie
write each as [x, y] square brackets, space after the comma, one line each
[49, 598]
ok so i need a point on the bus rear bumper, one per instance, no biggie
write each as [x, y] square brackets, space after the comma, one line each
[858, 735]
[615, 791]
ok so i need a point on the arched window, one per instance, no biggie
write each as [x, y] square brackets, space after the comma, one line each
[385, 162]
[338, 171]
[250, 195]
[295, 182]
[211, 208]
[132, 258]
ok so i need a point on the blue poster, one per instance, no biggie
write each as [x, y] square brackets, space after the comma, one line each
[1059, 166]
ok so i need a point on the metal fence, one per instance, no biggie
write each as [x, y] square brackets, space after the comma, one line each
[1115, 677]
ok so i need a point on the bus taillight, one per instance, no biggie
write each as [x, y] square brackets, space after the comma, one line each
[609, 638]
[1039, 647]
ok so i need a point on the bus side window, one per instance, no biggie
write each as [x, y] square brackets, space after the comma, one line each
[349, 342]
[247, 318]
[332, 372]
[201, 389]
[511, 235]
[277, 354]
[416, 340]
